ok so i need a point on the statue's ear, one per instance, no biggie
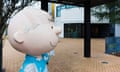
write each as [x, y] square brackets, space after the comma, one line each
[18, 37]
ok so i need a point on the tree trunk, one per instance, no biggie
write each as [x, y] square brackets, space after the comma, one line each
[1, 54]
[1, 5]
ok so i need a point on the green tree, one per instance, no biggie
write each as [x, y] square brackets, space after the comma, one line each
[109, 11]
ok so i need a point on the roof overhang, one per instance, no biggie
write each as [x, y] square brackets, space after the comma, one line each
[81, 2]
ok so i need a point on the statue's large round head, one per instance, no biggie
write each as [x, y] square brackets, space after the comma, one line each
[32, 31]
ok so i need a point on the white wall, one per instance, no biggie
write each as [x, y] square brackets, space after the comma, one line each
[117, 30]
[74, 15]
[96, 20]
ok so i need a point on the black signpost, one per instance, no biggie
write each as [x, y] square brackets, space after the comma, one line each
[0, 36]
[1, 54]
[44, 5]
[87, 28]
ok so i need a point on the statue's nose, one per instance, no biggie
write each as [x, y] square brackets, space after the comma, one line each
[57, 30]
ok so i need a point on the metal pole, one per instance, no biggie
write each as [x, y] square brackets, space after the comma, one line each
[44, 5]
[87, 29]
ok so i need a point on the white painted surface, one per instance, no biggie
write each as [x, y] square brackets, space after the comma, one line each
[117, 30]
[73, 15]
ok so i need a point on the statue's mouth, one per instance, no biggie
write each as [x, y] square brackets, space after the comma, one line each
[52, 44]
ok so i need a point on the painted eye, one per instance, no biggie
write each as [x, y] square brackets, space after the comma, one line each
[51, 27]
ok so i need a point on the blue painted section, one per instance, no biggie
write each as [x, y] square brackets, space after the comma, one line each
[112, 45]
[61, 7]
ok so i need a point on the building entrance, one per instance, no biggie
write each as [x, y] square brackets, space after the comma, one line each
[76, 30]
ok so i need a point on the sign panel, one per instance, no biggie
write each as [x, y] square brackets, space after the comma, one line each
[112, 45]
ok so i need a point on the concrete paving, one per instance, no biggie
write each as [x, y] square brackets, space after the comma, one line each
[68, 57]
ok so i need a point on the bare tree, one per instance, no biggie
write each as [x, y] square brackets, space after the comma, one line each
[7, 8]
